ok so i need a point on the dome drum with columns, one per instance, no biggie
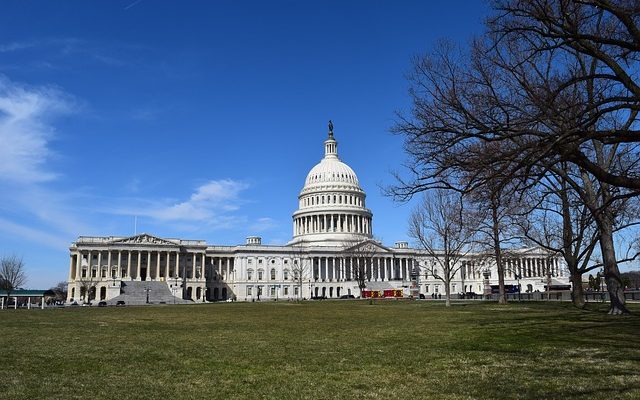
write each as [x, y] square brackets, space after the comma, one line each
[331, 208]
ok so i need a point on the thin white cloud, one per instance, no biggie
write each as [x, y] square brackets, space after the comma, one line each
[24, 133]
[263, 224]
[15, 46]
[53, 241]
[208, 202]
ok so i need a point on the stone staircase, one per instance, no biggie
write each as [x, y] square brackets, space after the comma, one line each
[135, 293]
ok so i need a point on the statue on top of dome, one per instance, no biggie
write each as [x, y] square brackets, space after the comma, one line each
[330, 128]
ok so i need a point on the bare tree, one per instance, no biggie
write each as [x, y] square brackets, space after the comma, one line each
[606, 34]
[441, 227]
[360, 253]
[12, 274]
[551, 82]
[87, 285]
[560, 223]
[60, 290]
[299, 268]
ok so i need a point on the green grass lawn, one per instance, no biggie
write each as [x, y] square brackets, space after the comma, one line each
[321, 350]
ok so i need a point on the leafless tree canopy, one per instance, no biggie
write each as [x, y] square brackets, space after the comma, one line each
[60, 290]
[12, 274]
[300, 268]
[550, 83]
[523, 85]
[442, 228]
[360, 260]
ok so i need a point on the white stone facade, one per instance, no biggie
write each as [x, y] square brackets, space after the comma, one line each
[331, 216]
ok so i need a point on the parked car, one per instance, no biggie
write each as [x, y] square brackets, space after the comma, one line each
[102, 304]
[88, 304]
[422, 296]
[120, 303]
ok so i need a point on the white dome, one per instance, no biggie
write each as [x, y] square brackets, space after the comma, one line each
[331, 205]
[331, 170]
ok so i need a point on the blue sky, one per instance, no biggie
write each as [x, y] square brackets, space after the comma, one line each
[200, 118]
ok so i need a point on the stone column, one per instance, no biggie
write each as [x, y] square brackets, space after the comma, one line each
[79, 265]
[109, 264]
[177, 272]
[139, 257]
[157, 275]
[148, 277]
[202, 267]
[119, 271]
[99, 265]
[71, 271]
[129, 264]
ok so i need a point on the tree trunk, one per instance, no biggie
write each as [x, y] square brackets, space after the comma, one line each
[502, 297]
[611, 271]
[577, 293]
[447, 292]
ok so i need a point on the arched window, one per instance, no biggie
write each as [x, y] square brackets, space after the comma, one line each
[286, 274]
[273, 274]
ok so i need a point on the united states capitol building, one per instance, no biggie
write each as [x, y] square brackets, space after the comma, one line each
[332, 242]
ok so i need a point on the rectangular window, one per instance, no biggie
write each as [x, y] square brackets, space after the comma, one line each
[249, 290]
[296, 291]
[453, 288]
[273, 291]
[286, 290]
[426, 288]
[437, 288]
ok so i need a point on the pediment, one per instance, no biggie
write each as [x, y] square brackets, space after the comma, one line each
[368, 247]
[534, 251]
[144, 238]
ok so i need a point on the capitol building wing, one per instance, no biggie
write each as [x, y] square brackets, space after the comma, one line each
[330, 228]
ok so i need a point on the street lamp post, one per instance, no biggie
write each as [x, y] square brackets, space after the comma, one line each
[175, 286]
[147, 289]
